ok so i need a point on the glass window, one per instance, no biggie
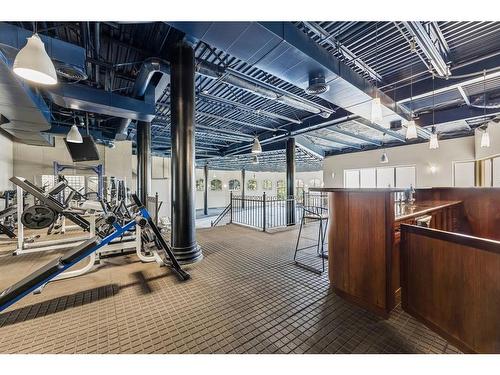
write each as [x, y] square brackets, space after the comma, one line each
[299, 188]
[405, 177]
[368, 178]
[216, 185]
[496, 171]
[281, 189]
[463, 174]
[200, 184]
[267, 185]
[351, 178]
[488, 170]
[234, 185]
[48, 181]
[385, 177]
[315, 182]
[252, 185]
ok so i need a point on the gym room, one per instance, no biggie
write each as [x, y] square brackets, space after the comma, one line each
[210, 180]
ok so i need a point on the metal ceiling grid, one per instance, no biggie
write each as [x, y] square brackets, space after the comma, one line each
[226, 113]
[270, 161]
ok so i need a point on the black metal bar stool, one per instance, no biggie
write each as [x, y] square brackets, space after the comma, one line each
[313, 214]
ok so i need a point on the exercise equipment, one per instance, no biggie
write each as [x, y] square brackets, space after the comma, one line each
[6, 223]
[38, 279]
[38, 217]
[97, 169]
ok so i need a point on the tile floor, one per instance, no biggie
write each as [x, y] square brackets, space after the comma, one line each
[245, 296]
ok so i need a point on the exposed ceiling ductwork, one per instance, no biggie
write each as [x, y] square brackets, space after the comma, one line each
[150, 68]
[264, 90]
[281, 49]
[25, 115]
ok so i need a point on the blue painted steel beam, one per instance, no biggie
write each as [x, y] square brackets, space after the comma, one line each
[85, 98]
[454, 114]
[424, 85]
[309, 146]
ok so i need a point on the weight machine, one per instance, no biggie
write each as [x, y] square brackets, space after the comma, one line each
[97, 169]
[7, 215]
[38, 279]
[44, 214]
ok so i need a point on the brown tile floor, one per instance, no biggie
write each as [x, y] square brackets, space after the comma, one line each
[246, 296]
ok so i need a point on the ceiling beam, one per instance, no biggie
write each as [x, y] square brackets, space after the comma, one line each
[335, 140]
[389, 132]
[426, 43]
[360, 137]
[247, 108]
[329, 39]
[310, 147]
[243, 123]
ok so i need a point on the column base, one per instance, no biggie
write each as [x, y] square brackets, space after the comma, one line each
[188, 255]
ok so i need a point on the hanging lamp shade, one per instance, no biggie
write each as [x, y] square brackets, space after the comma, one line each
[34, 64]
[74, 135]
[256, 147]
[411, 130]
[485, 139]
[376, 115]
[384, 159]
[433, 143]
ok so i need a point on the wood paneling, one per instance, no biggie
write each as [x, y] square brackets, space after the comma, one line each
[481, 208]
[363, 245]
[451, 282]
[367, 247]
[338, 266]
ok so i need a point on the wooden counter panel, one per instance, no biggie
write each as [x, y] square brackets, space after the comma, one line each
[481, 208]
[367, 248]
[338, 260]
[452, 286]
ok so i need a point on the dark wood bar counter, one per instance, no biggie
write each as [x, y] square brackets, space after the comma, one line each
[364, 237]
[448, 273]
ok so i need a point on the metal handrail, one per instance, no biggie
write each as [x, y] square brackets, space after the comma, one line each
[221, 215]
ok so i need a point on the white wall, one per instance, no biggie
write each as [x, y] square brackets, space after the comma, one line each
[221, 198]
[6, 163]
[419, 155]
[32, 161]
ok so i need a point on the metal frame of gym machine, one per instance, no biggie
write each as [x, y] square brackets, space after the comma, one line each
[54, 270]
[114, 246]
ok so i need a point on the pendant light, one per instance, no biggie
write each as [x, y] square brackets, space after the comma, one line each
[485, 137]
[376, 112]
[376, 109]
[256, 147]
[411, 127]
[384, 159]
[33, 64]
[74, 135]
[433, 142]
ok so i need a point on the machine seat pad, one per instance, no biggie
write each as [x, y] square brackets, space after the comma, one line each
[75, 253]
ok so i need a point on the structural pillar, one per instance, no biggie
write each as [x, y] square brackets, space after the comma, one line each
[205, 192]
[143, 139]
[290, 181]
[182, 106]
[243, 188]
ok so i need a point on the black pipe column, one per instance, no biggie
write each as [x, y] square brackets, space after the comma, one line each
[205, 192]
[290, 181]
[143, 160]
[182, 107]
[243, 188]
